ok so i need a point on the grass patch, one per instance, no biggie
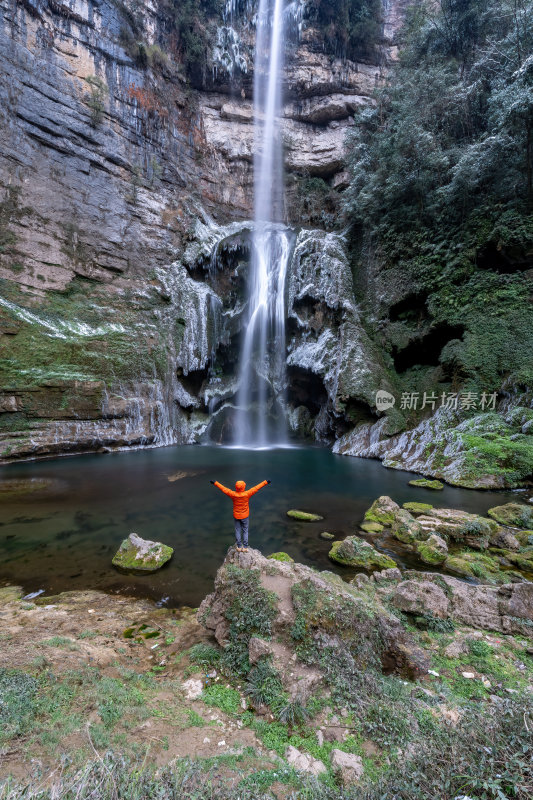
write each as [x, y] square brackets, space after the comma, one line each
[224, 697]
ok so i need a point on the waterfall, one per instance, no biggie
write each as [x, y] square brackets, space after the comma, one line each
[262, 364]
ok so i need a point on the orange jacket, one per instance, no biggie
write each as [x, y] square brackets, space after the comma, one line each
[241, 508]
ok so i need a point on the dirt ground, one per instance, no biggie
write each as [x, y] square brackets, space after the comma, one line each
[75, 631]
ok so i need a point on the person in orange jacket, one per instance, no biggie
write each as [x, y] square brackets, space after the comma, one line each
[241, 509]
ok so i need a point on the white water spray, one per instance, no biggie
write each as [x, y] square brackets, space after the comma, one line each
[262, 366]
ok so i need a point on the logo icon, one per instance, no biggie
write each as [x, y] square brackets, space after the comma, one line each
[384, 400]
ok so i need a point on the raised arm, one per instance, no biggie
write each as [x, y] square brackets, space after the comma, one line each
[224, 489]
[255, 489]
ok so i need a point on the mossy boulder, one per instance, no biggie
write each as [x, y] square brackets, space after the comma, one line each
[383, 511]
[326, 535]
[470, 529]
[406, 528]
[141, 555]
[523, 560]
[417, 508]
[425, 483]
[303, 516]
[433, 551]
[482, 566]
[280, 557]
[525, 538]
[355, 552]
[371, 527]
[517, 515]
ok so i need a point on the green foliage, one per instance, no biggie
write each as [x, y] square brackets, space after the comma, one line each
[224, 697]
[194, 719]
[95, 101]
[250, 612]
[194, 34]
[205, 655]
[17, 702]
[315, 204]
[291, 712]
[349, 28]
[441, 187]
[263, 685]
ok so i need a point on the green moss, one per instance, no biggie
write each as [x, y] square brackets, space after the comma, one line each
[280, 557]
[425, 483]
[417, 508]
[354, 552]
[126, 558]
[430, 555]
[477, 565]
[371, 527]
[382, 511]
[406, 529]
[515, 514]
[500, 455]
[303, 516]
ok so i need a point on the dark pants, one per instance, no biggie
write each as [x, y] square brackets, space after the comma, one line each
[241, 527]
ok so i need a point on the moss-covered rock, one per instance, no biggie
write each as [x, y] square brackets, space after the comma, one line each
[406, 528]
[425, 483]
[141, 555]
[483, 566]
[383, 511]
[525, 538]
[523, 560]
[281, 556]
[517, 515]
[10, 593]
[355, 552]
[326, 535]
[417, 508]
[303, 516]
[433, 550]
[470, 529]
[371, 527]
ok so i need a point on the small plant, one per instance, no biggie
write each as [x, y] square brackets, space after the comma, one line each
[99, 92]
[263, 685]
[223, 697]
[194, 720]
[205, 655]
[291, 712]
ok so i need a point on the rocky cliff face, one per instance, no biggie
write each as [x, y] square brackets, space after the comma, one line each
[114, 328]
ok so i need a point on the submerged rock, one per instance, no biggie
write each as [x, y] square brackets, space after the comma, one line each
[355, 552]
[517, 515]
[304, 516]
[326, 535]
[141, 555]
[371, 527]
[425, 483]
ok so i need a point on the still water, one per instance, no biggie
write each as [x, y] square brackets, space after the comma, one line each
[64, 535]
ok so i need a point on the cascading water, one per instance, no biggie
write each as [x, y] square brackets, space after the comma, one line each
[262, 366]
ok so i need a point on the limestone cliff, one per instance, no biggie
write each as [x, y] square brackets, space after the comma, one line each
[115, 147]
